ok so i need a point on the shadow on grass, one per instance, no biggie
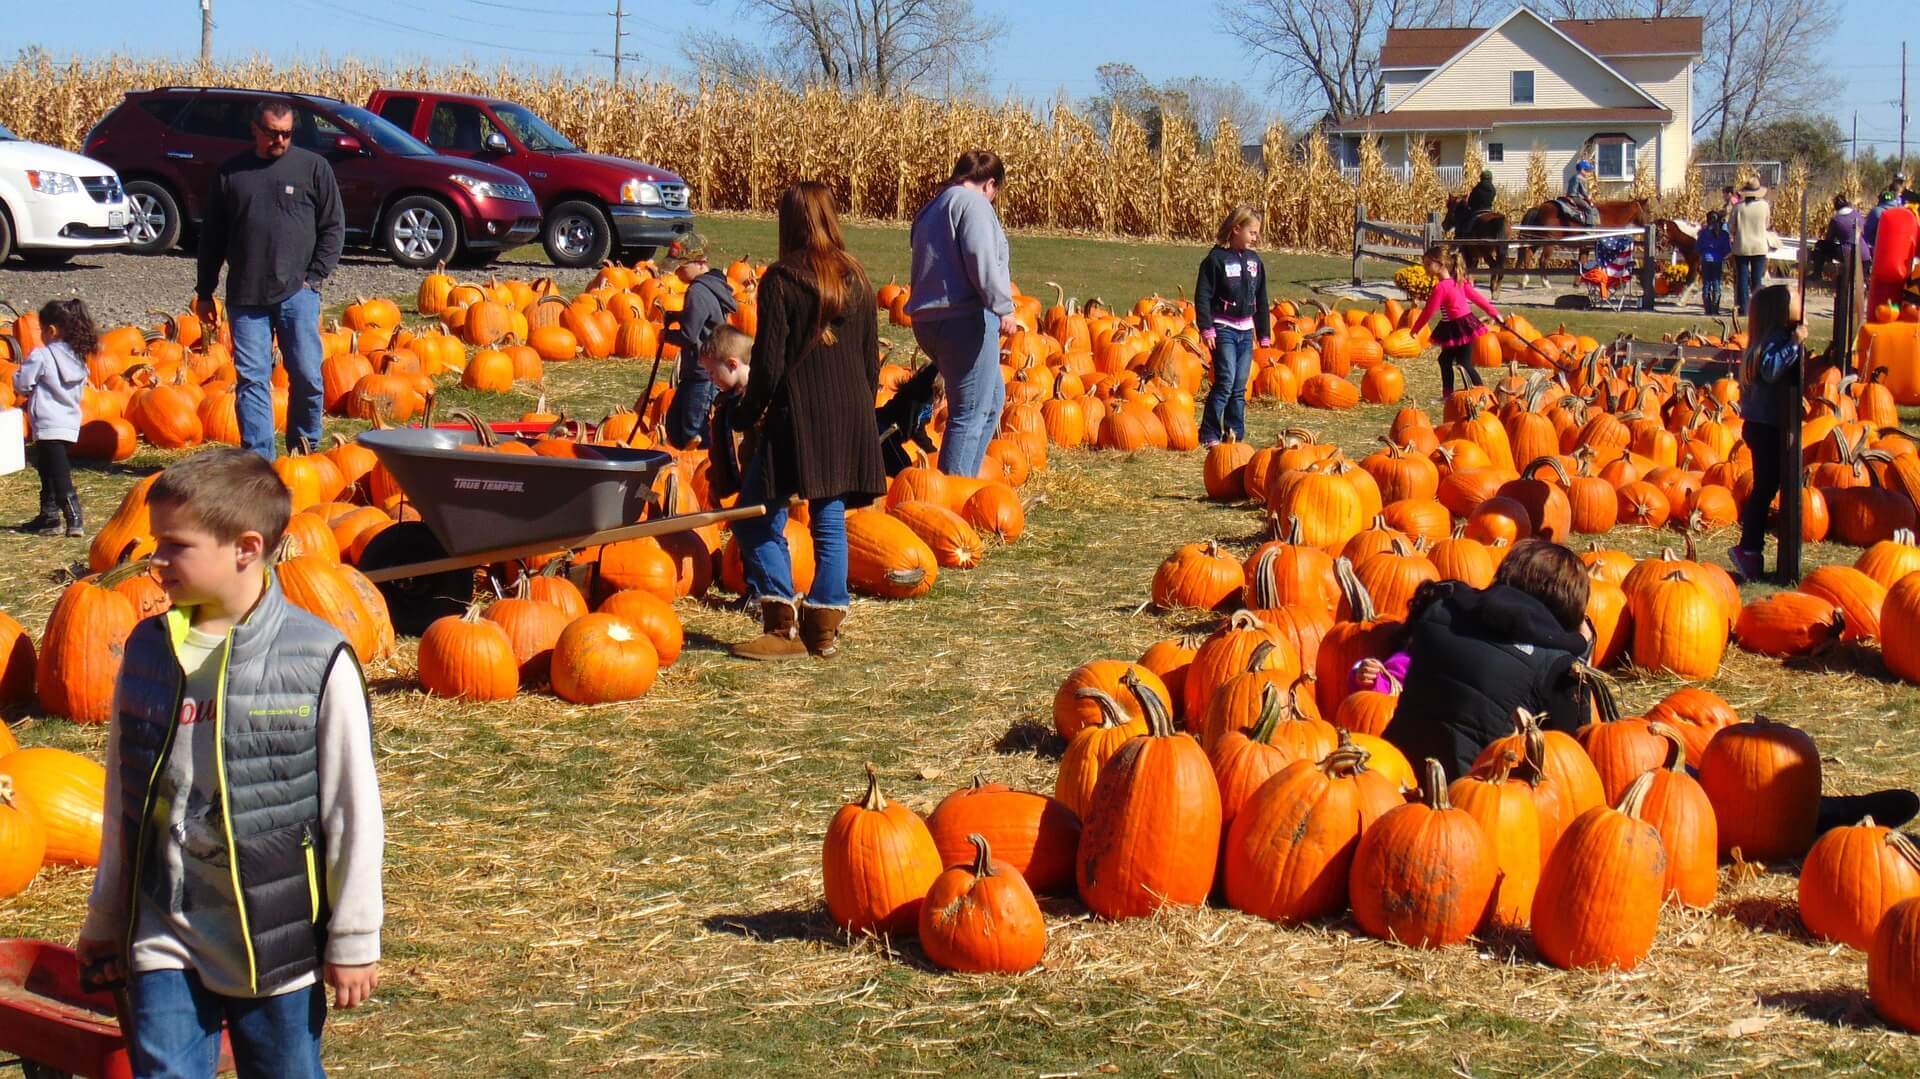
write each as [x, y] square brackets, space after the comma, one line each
[1767, 914]
[1029, 736]
[1835, 1005]
[771, 926]
[1844, 659]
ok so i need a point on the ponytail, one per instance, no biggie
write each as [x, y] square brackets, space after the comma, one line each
[74, 323]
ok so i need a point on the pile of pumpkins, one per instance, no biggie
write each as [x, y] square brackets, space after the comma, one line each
[1205, 771]
[52, 805]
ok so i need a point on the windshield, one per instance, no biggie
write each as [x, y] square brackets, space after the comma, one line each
[381, 133]
[532, 131]
[7, 136]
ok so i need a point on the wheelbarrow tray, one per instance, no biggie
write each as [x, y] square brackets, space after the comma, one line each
[484, 501]
[46, 1018]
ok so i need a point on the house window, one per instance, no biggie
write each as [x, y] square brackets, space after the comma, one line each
[1613, 159]
[1496, 152]
[1350, 151]
[1523, 88]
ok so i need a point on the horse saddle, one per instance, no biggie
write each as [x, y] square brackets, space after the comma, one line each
[1575, 211]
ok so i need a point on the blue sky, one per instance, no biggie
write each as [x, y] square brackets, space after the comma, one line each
[1056, 46]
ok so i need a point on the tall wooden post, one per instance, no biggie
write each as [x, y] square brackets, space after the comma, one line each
[1359, 237]
[1649, 272]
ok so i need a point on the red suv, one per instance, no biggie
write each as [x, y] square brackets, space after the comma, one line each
[400, 196]
[596, 206]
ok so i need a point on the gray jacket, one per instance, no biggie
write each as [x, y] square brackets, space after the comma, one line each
[961, 265]
[52, 378]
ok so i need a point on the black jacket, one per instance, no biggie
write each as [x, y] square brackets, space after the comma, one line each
[1473, 658]
[812, 400]
[278, 225]
[1482, 197]
[709, 302]
[1232, 284]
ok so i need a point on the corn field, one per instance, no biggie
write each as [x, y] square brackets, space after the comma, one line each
[884, 156]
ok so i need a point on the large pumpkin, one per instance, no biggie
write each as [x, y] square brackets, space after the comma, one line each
[885, 558]
[1850, 879]
[878, 863]
[1424, 872]
[601, 658]
[981, 917]
[1504, 806]
[1151, 835]
[1678, 807]
[1764, 781]
[1033, 833]
[1678, 626]
[67, 794]
[1598, 904]
[79, 657]
[468, 657]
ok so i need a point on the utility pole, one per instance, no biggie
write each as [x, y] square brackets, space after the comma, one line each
[618, 52]
[206, 34]
[1903, 108]
[1853, 141]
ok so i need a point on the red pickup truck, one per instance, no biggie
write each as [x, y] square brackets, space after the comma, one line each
[593, 207]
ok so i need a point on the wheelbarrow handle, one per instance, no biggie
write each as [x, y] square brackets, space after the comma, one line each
[659, 526]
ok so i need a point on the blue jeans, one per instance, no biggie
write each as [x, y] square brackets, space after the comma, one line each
[967, 351]
[1710, 287]
[296, 322]
[692, 401]
[768, 563]
[1749, 276]
[1226, 408]
[176, 1029]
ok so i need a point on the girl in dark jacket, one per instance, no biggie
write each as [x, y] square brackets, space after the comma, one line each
[1769, 400]
[1475, 656]
[1230, 306]
[816, 366]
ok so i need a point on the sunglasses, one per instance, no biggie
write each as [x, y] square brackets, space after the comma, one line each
[274, 133]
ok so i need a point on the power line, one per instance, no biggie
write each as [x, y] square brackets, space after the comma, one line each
[332, 7]
[539, 10]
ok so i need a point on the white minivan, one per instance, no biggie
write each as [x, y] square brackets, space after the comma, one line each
[55, 204]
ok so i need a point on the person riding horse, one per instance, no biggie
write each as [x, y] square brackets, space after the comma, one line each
[1480, 200]
[1578, 198]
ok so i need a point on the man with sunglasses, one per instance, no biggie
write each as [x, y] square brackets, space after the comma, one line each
[274, 219]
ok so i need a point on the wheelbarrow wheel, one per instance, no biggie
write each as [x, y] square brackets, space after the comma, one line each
[415, 602]
[30, 1070]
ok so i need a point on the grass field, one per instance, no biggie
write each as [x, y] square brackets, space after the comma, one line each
[621, 890]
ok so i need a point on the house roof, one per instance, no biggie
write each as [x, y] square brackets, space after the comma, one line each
[1528, 13]
[1437, 120]
[1431, 47]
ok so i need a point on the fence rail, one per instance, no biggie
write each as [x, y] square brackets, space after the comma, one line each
[1416, 239]
[1448, 175]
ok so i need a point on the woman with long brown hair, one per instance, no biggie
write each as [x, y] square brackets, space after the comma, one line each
[815, 368]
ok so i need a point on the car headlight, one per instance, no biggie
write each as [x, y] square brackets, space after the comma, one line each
[52, 183]
[640, 193]
[487, 189]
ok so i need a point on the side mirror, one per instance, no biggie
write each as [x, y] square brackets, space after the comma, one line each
[347, 144]
[496, 143]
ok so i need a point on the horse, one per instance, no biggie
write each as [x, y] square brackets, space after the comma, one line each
[1623, 213]
[1465, 224]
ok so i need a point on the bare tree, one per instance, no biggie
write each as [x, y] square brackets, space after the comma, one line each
[882, 46]
[1210, 101]
[1330, 52]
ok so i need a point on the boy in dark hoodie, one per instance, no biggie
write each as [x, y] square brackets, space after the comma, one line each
[709, 303]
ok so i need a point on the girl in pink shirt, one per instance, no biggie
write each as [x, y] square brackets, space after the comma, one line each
[1455, 298]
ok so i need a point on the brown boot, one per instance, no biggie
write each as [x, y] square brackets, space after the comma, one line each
[779, 638]
[820, 629]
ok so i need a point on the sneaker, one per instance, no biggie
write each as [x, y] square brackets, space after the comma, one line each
[1750, 565]
[1209, 443]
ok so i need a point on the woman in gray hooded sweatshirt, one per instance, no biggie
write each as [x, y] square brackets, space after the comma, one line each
[961, 303]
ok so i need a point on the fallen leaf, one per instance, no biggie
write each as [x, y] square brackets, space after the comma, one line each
[1741, 1028]
[931, 773]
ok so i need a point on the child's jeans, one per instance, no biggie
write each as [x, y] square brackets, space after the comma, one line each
[176, 1029]
[693, 396]
[1226, 408]
[1710, 287]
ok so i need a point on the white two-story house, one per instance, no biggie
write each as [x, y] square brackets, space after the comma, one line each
[1621, 89]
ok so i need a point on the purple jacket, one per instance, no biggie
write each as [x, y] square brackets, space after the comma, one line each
[1843, 228]
[1713, 244]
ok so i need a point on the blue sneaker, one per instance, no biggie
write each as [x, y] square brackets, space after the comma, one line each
[1750, 565]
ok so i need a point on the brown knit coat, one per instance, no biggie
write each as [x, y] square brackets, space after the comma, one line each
[815, 400]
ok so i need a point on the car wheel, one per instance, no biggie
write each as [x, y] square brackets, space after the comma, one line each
[47, 259]
[6, 235]
[419, 232]
[577, 234]
[153, 218]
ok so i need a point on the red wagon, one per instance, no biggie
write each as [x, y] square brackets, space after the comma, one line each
[53, 1026]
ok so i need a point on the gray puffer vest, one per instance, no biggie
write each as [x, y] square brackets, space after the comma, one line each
[273, 671]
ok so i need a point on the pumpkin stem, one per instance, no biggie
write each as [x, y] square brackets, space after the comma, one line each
[1347, 759]
[874, 800]
[982, 855]
[1676, 746]
[1433, 789]
[1895, 838]
[6, 791]
[123, 572]
[1504, 768]
[1592, 681]
[1632, 802]
[1111, 714]
[1159, 720]
[1270, 713]
[1359, 602]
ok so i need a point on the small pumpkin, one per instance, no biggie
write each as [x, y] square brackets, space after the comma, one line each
[1598, 904]
[982, 918]
[878, 862]
[1424, 872]
[1852, 876]
[469, 657]
[600, 658]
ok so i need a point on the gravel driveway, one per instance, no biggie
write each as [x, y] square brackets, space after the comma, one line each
[122, 288]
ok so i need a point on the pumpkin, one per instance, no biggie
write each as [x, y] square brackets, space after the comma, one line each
[79, 654]
[1366, 711]
[466, 656]
[1764, 781]
[1697, 714]
[1504, 807]
[1679, 809]
[1151, 833]
[1893, 966]
[1365, 636]
[1562, 771]
[1035, 834]
[1243, 759]
[322, 588]
[1199, 576]
[954, 542]
[1852, 876]
[1225, 470]
[1858, 597]
[1621, 749]
[600, 658]
[17, 664]
[1678, 626]
[1789, 624]
[1424, 872]
[1290, 850]
[67, 794]
[1073, 710]
[641, 564]
[651, 615]
[885, 558]
[531, 627]
[878, 862]
[1287, 571]
[23, 842]
[1598, 904]
[1092, 746]
[982, 918]
[1270, 684]
[1170, 659]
